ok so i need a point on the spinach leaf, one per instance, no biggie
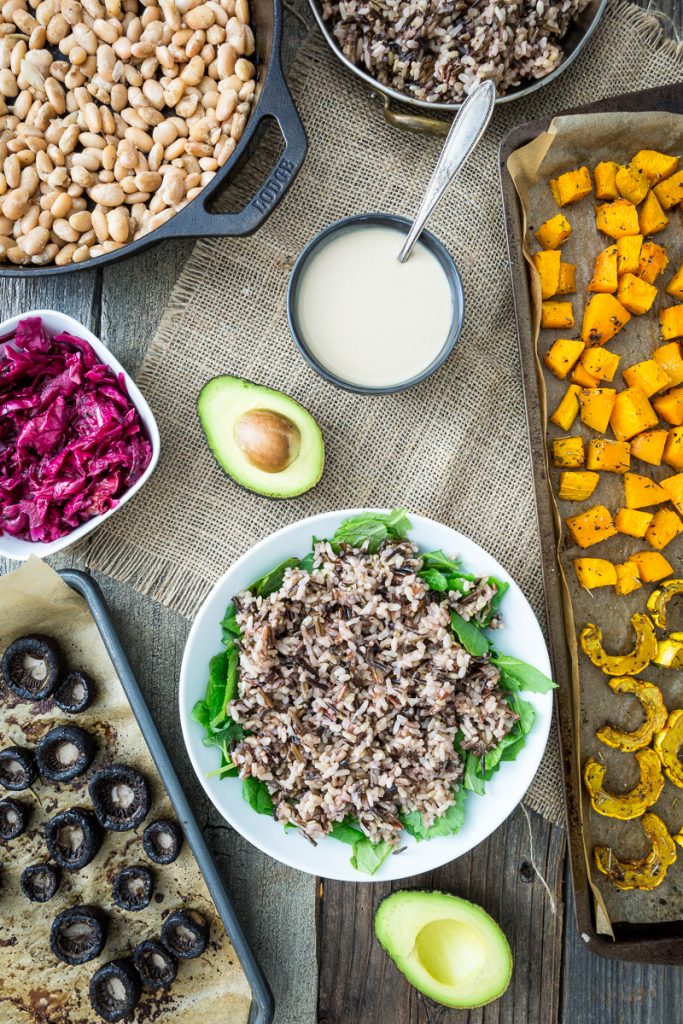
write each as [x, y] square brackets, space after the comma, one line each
[215, 691]
[229, 627]
[368, 856]
[345, 832]
[446, 825]
[230, 678]
[227, 732]
[517, 675]
[434, 579]
[473, 778]
[200, 713]
[525, 711]
[502, 588]
[307, 563]
[441, 561]
[372, 528]
[255, 792]
[470, 635]
[272, 580]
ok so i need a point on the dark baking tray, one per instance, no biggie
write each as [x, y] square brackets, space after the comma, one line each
[652, 943]
[262, 1007]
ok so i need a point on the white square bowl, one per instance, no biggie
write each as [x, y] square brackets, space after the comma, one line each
[13, 547]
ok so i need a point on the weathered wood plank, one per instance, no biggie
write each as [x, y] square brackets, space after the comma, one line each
[357, 981]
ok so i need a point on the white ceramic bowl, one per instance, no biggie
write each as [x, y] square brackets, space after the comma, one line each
[521, 637]
[13, 547]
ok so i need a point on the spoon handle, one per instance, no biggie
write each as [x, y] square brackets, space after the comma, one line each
[467, 129]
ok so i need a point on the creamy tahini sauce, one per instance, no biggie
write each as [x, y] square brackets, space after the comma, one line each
[367, 318]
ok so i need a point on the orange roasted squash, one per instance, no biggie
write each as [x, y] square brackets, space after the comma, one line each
[603, 317]
[632, 413]
[592, 526]
[641, 492]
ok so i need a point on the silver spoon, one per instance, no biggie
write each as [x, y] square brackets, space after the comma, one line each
[465, 133]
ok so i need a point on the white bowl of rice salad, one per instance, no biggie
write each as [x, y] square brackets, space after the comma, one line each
[365, 695]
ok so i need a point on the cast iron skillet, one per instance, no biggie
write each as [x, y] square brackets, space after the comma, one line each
[274, 102]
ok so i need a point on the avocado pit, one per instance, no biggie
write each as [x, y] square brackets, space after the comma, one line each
[269, 440]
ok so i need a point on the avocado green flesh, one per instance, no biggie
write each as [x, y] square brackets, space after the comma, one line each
[448, 948]
[223, 400]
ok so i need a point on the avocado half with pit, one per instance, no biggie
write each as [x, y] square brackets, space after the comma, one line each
[262, 438]
[448, 948]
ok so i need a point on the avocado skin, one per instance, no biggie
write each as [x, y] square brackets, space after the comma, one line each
[289, 483]
[438, 902]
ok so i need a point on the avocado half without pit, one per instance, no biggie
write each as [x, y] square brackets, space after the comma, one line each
[262, 438]
[449, 949]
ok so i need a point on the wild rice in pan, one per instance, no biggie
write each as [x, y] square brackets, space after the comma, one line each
[436, 51]
[353, 687]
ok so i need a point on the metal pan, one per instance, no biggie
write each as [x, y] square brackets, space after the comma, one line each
[273, 102]
[578, 34]
[262, 1007]
[652, 943]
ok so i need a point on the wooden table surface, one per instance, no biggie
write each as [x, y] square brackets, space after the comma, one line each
[314, 941]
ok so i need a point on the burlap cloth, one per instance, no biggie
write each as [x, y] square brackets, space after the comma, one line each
[455, 448]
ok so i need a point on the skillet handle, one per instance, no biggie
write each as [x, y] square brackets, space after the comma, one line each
[277, 103]
[414, 122]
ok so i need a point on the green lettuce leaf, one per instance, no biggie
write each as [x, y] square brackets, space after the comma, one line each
[372, 528]
[447, 824]
[345, 832]
[368, 856]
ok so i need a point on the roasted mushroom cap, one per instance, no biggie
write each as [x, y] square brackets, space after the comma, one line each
[75, 693]
[132, 888]
[73, 838]
[30, 667]
[39, 882]
[185, 933]
[78, 934]
[120, 797]
[13, 818]
[162, 841]
[156, 966]
[65, 753]
[115, 990]
[18, 768]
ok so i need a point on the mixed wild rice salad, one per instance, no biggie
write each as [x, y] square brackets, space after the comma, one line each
[438, 51]
[358, 695]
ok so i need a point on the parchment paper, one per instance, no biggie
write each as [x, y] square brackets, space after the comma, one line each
[34, 985]
[570, 142]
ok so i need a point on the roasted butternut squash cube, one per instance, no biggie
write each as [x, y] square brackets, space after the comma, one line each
[595, 572]
[670, 191]
[605, 178]
[648, 376]
[632, 183]
[651, 218]
[641, 492]
[628, 254]
[670, 406]
[562, 356]
[653, 260]
[635, 294]
[675, 285]
[632, 414]
[649, 446]
[651, 566]
[583, 378]
[568, 452]
[600, 362]
[669, 358]
[603, 317]
[557, 315]
[666, 524]
[577, 486]
[596, 406]
[547, 264]
[628, 579]
[590, 527]
[671, 322]
[608, 456]
[631, 522]
[617, 218]
[568, 409]
[567, 283]
[571, 186]
[605, 277]
[655, 165]
[673, 485]
[553, 232]
[673, 449]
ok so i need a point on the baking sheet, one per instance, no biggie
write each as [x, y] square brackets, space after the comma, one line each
[35, 988]
[569, 142]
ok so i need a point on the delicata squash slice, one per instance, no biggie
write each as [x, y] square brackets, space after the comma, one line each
[630, 664]
[643, 872]
[669, 652]
[650, 697]
[633, 803]
[658, 601]
[668, 743]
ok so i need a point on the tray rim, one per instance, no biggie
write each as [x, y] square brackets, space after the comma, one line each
[263, 1006]
[647, 943]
